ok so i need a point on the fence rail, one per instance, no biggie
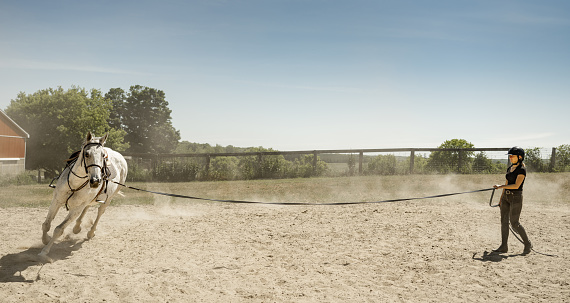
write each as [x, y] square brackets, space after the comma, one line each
[155, 158]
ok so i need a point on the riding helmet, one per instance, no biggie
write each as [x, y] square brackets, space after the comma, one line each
[517, 151]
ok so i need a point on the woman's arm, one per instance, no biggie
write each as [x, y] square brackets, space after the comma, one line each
[518, 182]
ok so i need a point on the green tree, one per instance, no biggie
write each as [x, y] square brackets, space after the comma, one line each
[303, 167]
[454, 160]
[58, 121]
[117, 97]
[144, 115]
[383, 165]
[533, 160]
[185, 147]
[351, 165]
[420, 163]
[482, 164]
[563, 158]
[263, 167]
[223, 168]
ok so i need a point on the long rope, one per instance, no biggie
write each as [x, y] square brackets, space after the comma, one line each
[333, 203]
[329, 204]
[302, 203]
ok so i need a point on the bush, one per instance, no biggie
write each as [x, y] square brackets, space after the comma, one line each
[451, 161]
[249, 168]
[533, 160]
[383, 165]
[263, 167]
[562, 158]
[482, 164]
[223, 169]
[276, 166]
[176, 171]
[420, 164]
[137, 173]
[351, 165]
[25, 178]
[302, 167]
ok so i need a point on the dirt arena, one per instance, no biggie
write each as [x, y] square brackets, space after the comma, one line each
[434, 250]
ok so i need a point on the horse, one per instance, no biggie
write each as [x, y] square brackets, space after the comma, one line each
[90, 178]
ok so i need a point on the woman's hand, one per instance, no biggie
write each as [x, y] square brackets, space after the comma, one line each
[496, 186]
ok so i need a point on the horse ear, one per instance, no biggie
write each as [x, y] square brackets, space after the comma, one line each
[89, 136]
[103, 139]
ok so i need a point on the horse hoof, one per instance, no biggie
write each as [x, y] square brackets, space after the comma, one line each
[90, 235]
[43, 258]
[46, 239]
[77, 229]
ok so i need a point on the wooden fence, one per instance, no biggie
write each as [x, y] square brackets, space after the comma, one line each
[156, 158]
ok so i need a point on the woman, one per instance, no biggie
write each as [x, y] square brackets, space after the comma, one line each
[511, 200]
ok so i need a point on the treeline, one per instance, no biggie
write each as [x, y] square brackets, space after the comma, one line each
[225, 168]
[57, 120]
[249, 167]
[138, 120]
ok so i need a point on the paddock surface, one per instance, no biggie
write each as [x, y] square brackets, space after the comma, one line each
[433, 250]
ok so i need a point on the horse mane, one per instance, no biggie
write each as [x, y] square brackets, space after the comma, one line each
[73, 157]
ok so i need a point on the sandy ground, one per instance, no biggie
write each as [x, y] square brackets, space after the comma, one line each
[433, 250]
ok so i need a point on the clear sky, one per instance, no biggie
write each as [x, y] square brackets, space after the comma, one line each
[310, 74]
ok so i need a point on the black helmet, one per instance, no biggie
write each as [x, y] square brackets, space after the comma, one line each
[517, 151]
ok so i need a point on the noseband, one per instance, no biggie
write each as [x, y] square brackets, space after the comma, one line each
[104, 172]
[84, 163]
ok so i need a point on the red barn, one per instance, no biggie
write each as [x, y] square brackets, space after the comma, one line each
[12, 147]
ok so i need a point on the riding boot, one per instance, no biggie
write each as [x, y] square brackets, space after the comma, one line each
[504, 240]
[526, 241]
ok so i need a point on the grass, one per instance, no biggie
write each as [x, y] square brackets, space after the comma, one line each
[539, 187]
[37, 195]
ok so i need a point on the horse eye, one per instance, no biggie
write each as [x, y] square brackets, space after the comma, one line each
[86, 155]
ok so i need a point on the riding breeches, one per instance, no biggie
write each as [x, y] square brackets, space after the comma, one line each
[511, 206]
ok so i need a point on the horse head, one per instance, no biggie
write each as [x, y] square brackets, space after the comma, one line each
[93, 156]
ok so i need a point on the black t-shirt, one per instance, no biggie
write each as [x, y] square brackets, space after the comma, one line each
[512, 176]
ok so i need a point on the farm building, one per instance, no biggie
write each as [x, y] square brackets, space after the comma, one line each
[12, 146]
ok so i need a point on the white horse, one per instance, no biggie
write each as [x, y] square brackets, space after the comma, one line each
[87, 180]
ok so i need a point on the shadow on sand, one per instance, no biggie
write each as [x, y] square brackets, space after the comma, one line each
[493, 256]
[12, 265]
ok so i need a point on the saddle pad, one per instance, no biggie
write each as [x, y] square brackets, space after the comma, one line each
[112, 171]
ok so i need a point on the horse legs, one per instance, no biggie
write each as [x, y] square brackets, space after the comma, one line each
[57, 232]
[77, 227]
[100, 212]
[53, 209]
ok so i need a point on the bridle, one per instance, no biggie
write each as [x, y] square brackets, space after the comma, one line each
[81, 153]
[104, 171]
[84, 162]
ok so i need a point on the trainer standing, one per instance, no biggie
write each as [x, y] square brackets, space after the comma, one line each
[511, 200]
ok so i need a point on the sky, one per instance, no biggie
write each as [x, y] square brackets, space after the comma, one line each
[310, 74]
